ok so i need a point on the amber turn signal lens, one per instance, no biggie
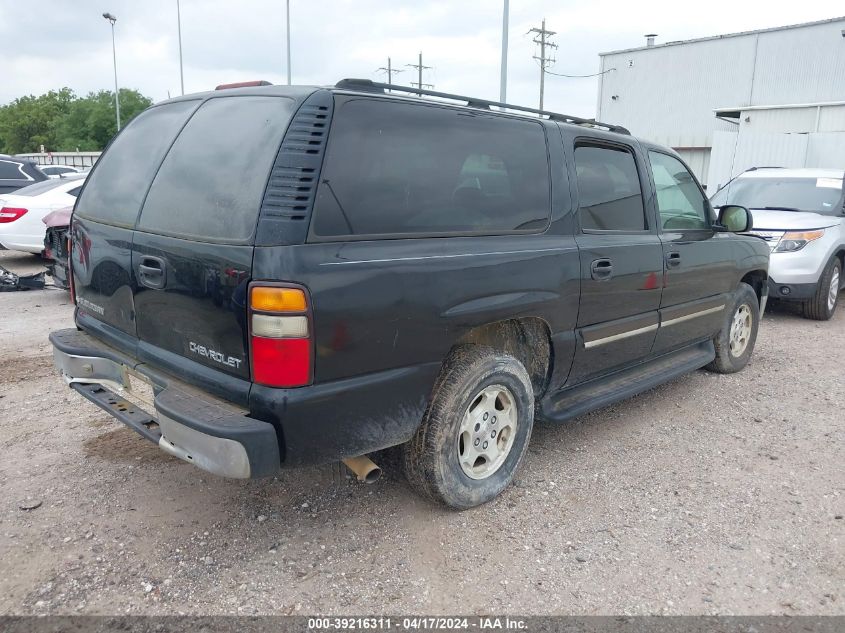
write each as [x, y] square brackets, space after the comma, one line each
[270, 299]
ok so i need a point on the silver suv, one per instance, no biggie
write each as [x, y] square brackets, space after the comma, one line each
[800, 213]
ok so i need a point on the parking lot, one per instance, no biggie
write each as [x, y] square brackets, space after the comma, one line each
[711, 494]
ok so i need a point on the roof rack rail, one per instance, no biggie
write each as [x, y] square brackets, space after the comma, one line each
[366, 85]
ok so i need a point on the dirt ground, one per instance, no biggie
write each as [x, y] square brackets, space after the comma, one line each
[708, 495]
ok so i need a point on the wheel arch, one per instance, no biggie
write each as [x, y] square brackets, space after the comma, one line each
[528, 339]
[757, 279]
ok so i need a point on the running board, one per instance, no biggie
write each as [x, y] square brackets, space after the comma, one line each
[600, 392]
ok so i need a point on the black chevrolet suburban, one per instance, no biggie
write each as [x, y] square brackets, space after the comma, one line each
[272, 276]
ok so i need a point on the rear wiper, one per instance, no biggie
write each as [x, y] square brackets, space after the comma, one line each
[785, 209]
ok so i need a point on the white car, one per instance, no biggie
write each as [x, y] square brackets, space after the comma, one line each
[21, 228]
[57, 171]
[801, 214]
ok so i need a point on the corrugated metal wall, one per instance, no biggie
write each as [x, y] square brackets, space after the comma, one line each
[734, 152]
[668, 94]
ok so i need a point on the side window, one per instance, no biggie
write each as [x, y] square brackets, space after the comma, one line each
[396, 168]
[75, 191]
[116, 188]
[609, 189]
[12, 171]
[680, 201]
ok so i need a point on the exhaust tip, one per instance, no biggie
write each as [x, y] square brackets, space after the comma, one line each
[364, 469]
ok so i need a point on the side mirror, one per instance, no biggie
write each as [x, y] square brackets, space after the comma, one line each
[735, 218]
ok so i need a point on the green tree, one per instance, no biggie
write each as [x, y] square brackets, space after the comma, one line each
[61, 121]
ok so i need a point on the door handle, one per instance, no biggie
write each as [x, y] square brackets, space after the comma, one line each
[673, 259]
[601, 269]
[152, 272]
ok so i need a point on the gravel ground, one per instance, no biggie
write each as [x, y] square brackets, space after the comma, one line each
[708, 495]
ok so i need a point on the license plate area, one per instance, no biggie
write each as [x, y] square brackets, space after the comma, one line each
[139, 391]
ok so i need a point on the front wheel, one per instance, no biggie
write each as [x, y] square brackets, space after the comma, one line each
[735, 341]
[822, 305]
[475, 431]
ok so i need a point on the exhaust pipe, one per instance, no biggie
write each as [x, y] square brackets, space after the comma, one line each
[364, 468]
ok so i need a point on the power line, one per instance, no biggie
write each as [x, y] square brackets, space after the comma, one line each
[549, 72]
[419, 66]
[542, 39]
[390, 70]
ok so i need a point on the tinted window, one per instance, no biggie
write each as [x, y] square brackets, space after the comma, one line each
[609, 189]
[680, 201]
[211, 183]
[11, 171]
[398, 168]
[75, 192]
[117, 186]
[40, 187]
[55, 170]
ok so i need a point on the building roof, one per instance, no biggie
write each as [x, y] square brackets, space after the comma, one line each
[721, 37]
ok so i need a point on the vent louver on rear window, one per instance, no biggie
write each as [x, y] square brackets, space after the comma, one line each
[289, 197]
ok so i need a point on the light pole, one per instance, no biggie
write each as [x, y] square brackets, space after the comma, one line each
[111, 18]
[179, 28]
[503, 79]
[287, 26]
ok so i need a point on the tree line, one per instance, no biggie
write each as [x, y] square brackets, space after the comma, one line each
[61, 121]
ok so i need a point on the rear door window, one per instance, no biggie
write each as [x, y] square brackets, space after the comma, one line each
[407, 169]
[609, 189]
[117, 186]
[210, 185]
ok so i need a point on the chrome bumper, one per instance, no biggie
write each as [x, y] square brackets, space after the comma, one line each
[189, 424]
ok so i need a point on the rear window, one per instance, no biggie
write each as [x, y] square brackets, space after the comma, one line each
[10, 170]
[117, 186]
[210, 185]
[408, 169]
[40, 187]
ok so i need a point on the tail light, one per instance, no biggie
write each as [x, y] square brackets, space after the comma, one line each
[281, 335]
[10, 214]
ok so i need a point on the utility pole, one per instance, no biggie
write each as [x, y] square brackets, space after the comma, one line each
[420, 68]
[389, 70]
[542, 38]
[503, 78]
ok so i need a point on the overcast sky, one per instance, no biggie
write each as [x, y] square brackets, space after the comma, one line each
[48, 44]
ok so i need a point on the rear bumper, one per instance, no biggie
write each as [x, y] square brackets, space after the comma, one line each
[187, 423]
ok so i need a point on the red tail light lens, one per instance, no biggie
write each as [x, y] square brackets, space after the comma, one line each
[10, 214]
[280, 362]
[281, 336]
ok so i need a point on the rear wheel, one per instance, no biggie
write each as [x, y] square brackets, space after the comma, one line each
[823, 303]
[475, 431]
[735, 341]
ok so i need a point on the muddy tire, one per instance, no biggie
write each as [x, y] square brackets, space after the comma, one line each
[475, 431]
[735, 341]
[823, 303]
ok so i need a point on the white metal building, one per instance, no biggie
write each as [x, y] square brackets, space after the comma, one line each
[773, 97]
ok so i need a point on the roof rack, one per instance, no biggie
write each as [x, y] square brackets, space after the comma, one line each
[366, 85]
